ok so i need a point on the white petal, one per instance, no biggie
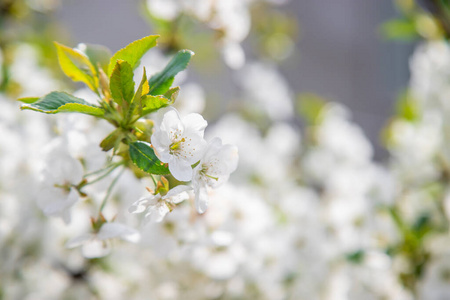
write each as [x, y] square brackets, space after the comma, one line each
[73, 171]
[178, 194]
[157, 213]
[201, 199]
[56, 202]
[180, 169]
[212, 149]
[194, 149]
[118, 230]
[229, 154]
[95, 248]
[161, 144]
[177, 190]
[194, 123]
[141, 205]
[61, 167]
[79, 240]
[179, 198]
[171, 121]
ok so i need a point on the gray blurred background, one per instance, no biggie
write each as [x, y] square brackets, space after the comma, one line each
[342, 56]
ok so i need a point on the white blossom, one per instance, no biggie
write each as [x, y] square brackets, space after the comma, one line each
[179, 142]
[97, 244]
[218, 162]
[61, 173]
[157, 206]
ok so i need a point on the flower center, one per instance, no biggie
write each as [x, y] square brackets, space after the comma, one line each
[204, 172]
[176, 145]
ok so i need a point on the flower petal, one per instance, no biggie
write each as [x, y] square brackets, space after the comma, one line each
[201, 199]
[171, 121]
[180, 169]
[157, 213]
[79, 240]
[177, 194]
[161, 143]
[118, 230]
[194, 123]
[141, 205]
[95, 248]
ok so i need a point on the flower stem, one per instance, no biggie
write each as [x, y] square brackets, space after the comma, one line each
[109, 171]
[108, 192]
[102, 170]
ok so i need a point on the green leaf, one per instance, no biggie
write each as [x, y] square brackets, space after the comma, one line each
[133, 52]
[399, 29]
[112, 140]
[356, 257]
[153, 103]
[97, 54]
[28, 100]
[56, 102]
[136, 103]
[161, 82]
[310, 107]
[407, 106]
[121, 83]
[145, 159]
[77, 66]
[172, 94]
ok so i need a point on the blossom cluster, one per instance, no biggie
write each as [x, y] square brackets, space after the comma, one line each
[180, 143]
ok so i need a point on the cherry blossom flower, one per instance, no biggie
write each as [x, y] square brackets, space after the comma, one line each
[179, 142]
[97, 244]
[157, 206]
[61, 173]
[218, 162]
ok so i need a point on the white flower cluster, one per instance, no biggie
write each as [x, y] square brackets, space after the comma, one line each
[230, 18]
[420, 149]
[179, 142]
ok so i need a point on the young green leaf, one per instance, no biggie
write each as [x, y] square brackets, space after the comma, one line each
[112, 140]
[28, 100]
[136, 104]
[77, 66]
[56, 102]
[172, 94]
[97, 54]
[121, 83]
[145, 159]
[400, 29]
[133, 52]
[153, 103]
[160, 83]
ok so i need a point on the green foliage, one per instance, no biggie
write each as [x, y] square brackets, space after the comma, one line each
[407, 107]
[356, 257]
[133, 53]
[172, 94]
[77, 66]
[310, 107]
[160, 83]
[121, 83]
[145, 159]
[98, 55]
[112, 140]
[28, 100]
[399, 29]
[136, 104]
[153, 103]
[56, 102]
